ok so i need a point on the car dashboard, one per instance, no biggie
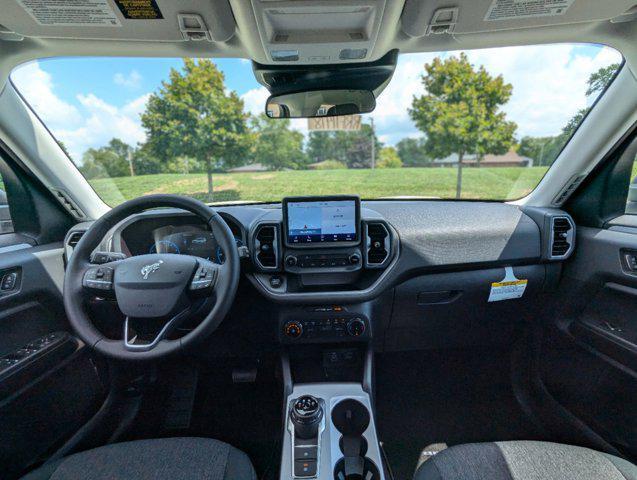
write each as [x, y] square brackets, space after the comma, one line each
[413, 273]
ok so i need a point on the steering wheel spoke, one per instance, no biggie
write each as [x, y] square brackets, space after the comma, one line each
[139, 339]
[98, 279]
[205, 277]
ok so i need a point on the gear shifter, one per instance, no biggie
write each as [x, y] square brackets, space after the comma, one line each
[306, 415]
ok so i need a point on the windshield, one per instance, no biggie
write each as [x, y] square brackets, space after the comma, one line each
[481, 124]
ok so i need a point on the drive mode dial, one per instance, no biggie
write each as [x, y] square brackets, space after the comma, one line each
[355, 327]
[293, 329]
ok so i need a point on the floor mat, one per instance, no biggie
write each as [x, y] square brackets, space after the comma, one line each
[445, 396]
[245, 415]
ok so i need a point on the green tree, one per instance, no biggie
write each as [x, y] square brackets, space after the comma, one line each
[124, 151]
[193, 115]
[146, 163]
[412, 152]
[353, 148]
[110, 160]
[598, 80]
[277, 146]
[460, 113]
[388, 158]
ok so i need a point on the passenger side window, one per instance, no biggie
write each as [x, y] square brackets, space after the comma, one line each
[631, 203]
[6, 225]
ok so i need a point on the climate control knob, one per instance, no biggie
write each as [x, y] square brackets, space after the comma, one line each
[356, 327]
[293, 329]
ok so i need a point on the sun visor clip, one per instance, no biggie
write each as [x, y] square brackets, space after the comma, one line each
[443, 21]
[193, 27]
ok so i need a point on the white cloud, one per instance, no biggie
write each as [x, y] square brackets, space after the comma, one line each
[254, 100]
[37, 87]
[103, 121]
[133, 80]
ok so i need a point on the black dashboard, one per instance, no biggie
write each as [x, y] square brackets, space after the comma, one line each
[423, 269]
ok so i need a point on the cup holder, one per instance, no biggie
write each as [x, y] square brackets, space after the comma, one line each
[362, 449]
[370, 470]
[350, 417]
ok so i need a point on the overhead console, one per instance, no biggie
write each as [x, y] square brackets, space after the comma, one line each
[304, 32]
[321, 243]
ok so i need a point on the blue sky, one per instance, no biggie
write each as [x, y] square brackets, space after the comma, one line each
[87, 101]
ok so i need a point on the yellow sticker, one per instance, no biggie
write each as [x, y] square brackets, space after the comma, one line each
[508, 288]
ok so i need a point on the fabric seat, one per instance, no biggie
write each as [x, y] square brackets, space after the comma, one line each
[524, 461]
[161, 459]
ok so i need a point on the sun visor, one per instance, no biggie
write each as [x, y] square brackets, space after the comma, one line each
[145, 20]
[424, 17]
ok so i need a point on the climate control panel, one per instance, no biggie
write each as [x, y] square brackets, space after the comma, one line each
[326, 329]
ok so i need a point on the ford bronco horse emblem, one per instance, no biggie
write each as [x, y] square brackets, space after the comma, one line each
[148, 269]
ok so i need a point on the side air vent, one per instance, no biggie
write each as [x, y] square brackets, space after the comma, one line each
[68, 203]
[378, 248]
[71, 242]
[266, 246]
[562, 237]
[74, 239]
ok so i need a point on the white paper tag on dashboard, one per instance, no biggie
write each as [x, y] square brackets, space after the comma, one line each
[508, 288]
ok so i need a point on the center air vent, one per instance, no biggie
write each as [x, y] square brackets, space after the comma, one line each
[266, 246]
[562, 237]
[378, 244]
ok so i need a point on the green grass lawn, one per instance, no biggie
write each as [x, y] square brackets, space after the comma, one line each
[478, 183]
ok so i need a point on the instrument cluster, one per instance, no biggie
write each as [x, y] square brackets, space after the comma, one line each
[188, 240]
[177, 235]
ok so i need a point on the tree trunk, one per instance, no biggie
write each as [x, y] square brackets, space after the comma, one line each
[459, 178]
[209, 172]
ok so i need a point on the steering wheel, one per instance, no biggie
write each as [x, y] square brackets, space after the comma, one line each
[155, 292]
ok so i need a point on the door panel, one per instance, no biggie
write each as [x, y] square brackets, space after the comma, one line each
[589, 358]
[49, 384]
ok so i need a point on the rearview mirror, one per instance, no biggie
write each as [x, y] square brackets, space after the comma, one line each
[320, 103]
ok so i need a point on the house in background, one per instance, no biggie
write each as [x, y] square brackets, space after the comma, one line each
[509, 159]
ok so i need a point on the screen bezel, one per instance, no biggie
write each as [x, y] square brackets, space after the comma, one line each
[329, 198]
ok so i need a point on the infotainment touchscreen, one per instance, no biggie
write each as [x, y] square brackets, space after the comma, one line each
[329, 220]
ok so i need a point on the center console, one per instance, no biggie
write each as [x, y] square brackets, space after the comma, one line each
[339, 440]
[315, 248]
[320, 257]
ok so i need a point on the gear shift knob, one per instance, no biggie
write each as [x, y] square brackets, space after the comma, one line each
[306, 415]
